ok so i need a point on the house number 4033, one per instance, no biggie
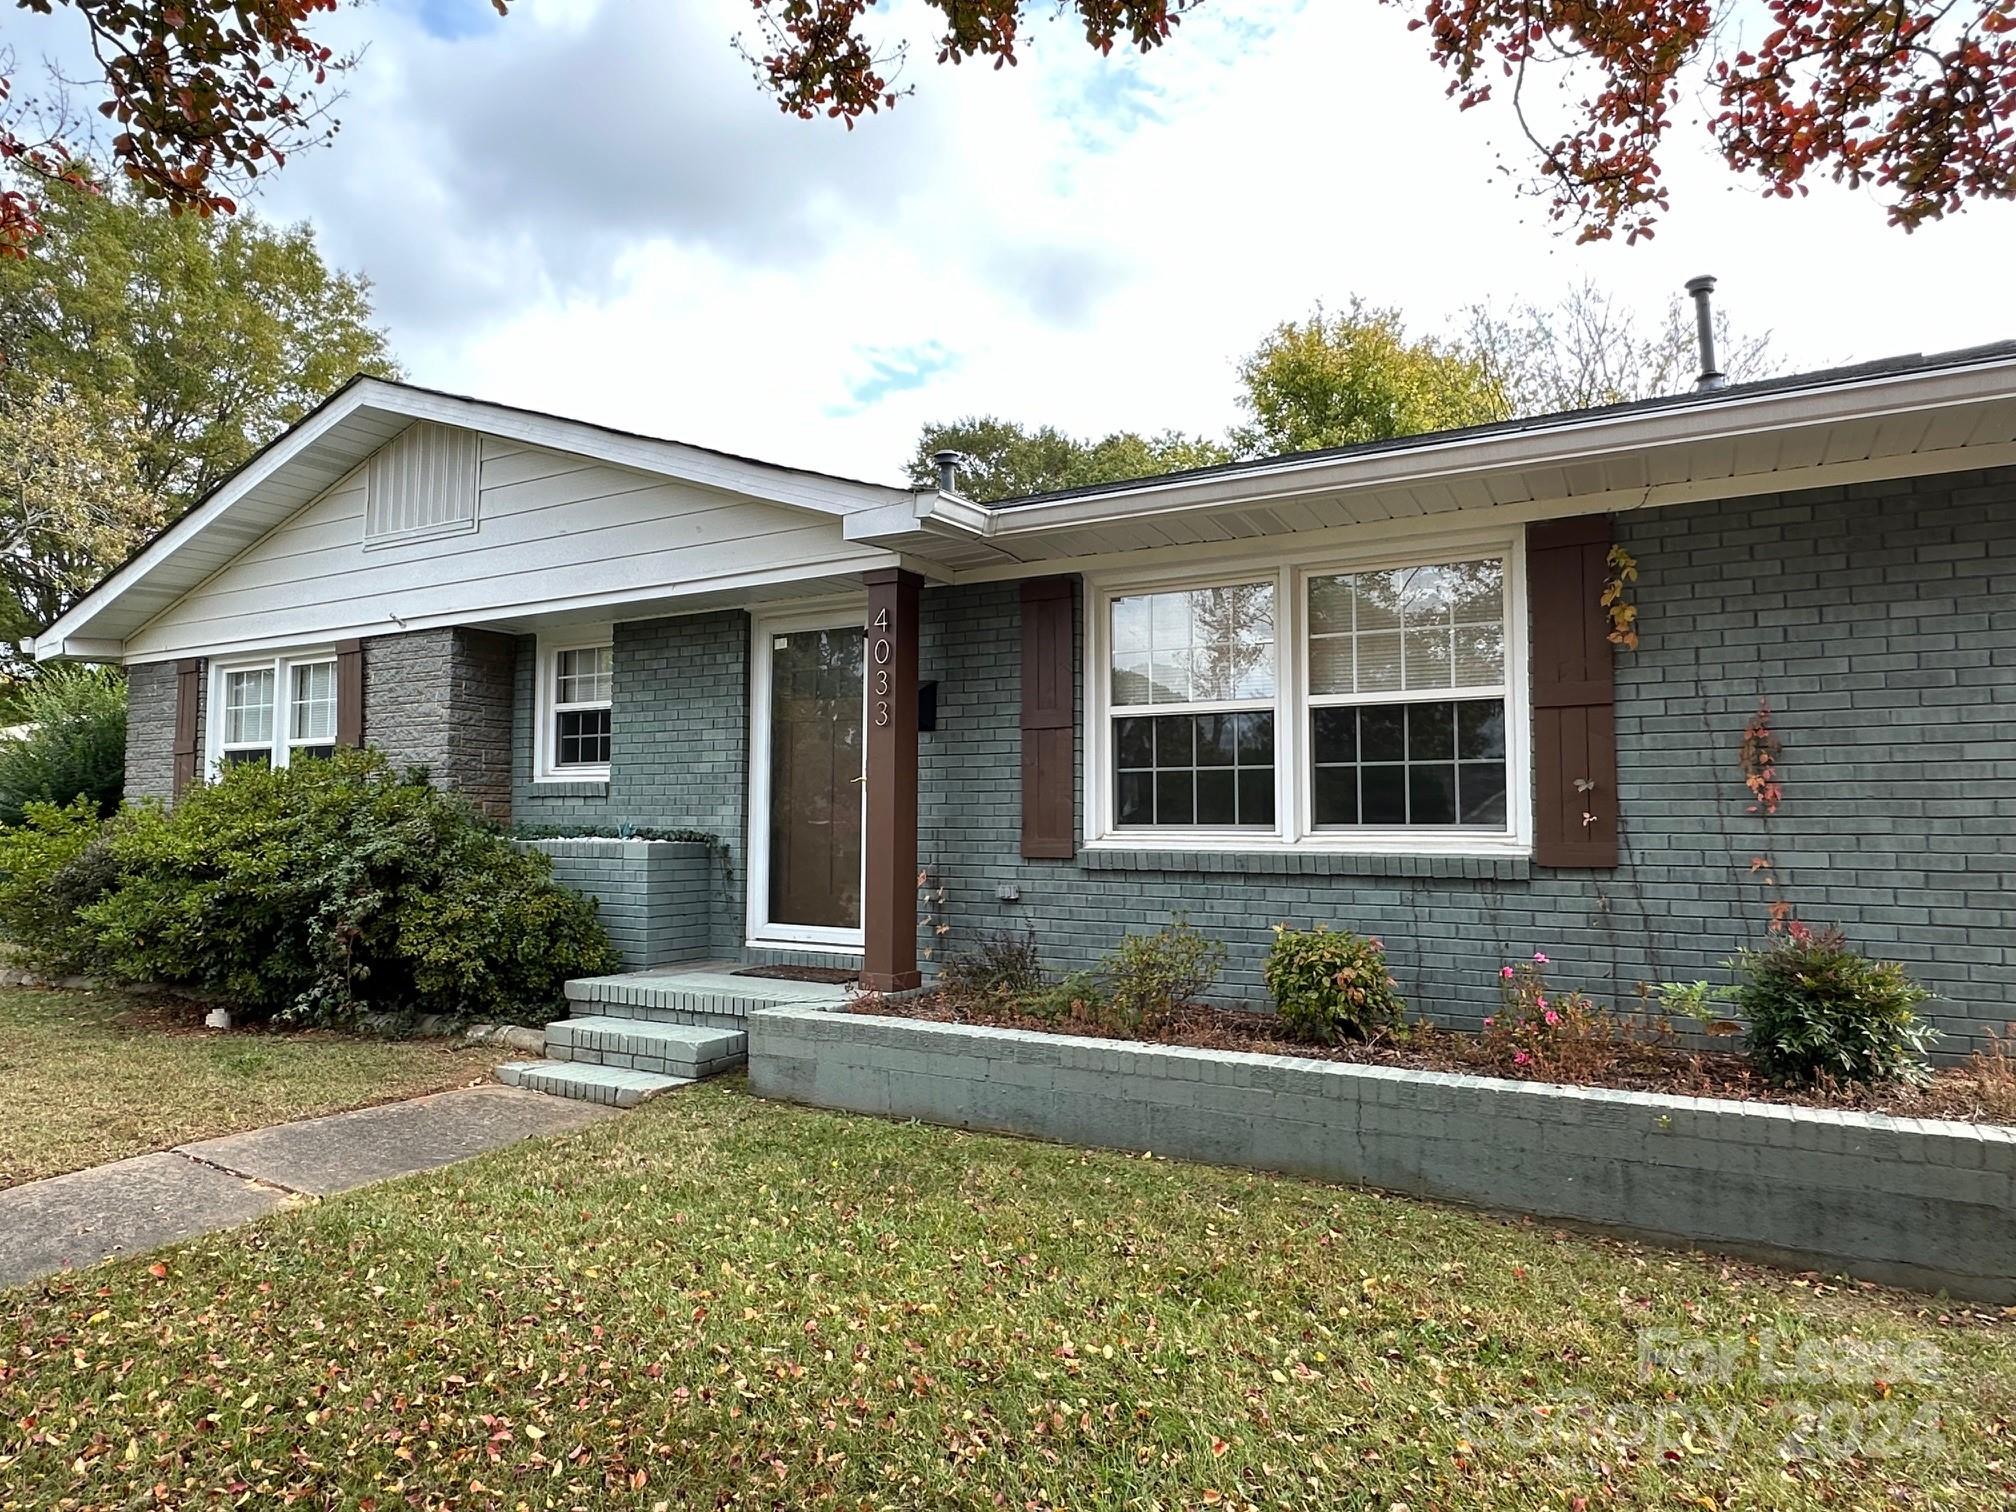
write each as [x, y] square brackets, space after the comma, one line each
[880, 650]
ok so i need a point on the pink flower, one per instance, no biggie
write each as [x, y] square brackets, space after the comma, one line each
[1553, 1017]
[1489, 1022]
[1540, 1002]
[1520, 1058]
[1538, 957]
[1505, 972]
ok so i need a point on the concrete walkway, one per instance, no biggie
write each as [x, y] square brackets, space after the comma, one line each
[151, 1200]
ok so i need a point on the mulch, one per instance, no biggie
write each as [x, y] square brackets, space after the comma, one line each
[1972, 1093]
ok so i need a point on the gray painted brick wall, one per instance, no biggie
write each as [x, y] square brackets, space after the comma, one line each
[678, 746]
[656, 898]
[1880, 622]
[1923, 1202]
[150, 731]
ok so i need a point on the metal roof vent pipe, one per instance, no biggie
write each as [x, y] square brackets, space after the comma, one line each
[948, 464]
[1712, 377]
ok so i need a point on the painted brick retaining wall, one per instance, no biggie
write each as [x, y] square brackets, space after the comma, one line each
[1879, 620]
[655, 897]
[1918, 1202]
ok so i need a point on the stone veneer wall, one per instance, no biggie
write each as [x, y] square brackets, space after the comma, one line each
[1880, 622]
[150, 731]
[442, 700]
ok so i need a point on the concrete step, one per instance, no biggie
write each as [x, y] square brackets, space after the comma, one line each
[614, 1086]
[675, 996]
[688, 1051]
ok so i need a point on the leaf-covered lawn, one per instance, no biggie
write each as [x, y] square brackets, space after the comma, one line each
[719, 1301]
[87, 1077]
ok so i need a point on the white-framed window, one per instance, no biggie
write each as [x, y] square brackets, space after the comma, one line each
[1374, 702]
[272, 711]
[577, 678]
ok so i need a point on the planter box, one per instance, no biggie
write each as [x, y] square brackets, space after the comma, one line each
[655, 897]
[1917, 1202]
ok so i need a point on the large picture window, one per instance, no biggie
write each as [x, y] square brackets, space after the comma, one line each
[1316, 704]
[576, 698]
[271, 712]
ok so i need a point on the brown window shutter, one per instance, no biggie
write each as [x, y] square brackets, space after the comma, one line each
[1574, 728]
[350, 693]
[1048, 719]
[188, 729]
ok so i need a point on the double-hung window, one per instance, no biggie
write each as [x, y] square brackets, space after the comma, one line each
[1194, 678]
[577, 688]
[1321, 704]
[274, 711]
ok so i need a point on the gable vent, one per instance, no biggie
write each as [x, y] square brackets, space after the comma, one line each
[421, 484]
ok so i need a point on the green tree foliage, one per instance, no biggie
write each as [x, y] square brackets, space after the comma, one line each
[71, 503]
[195, 340]
[72, 743]
[1356, 376]
[1005, 460]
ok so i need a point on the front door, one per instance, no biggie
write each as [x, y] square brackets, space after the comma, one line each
[811, 713]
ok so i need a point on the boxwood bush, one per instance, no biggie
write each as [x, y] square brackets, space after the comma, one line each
[310, 895]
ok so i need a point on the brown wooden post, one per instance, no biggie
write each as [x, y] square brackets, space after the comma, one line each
[889, 905]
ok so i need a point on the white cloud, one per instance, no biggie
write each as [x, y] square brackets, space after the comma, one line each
[590, 208]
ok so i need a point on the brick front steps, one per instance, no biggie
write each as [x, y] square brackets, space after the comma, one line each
[634, 1035]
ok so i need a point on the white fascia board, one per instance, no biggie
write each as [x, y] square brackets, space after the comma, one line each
[767, 481]
[833, 497]
[1544, 445]
[277, 455]
[923, 510]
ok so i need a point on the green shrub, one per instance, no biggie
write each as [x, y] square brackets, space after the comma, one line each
[1815, 1007]
[1331, 985]
[47, 865]
[76, 746]
[318, 893]
[1147, 977]
[1078, 997]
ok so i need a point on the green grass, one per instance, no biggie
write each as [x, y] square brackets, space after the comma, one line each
[719, 1301]
[87, 1077]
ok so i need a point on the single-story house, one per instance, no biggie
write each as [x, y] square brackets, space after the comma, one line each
[1374, 687]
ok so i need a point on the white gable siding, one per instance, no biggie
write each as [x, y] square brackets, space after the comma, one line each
[556, 531]
[423, 484]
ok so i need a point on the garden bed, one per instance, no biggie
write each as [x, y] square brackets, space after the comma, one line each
[1983, 1090]
[1920, 1202]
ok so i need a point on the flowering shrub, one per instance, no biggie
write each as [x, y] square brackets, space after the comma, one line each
[1330, 986]
[1540, 1033]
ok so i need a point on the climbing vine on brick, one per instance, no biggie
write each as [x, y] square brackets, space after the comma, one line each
[1758, 756]
[1618, 599]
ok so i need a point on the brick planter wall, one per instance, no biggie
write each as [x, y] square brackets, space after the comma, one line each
[655, 897]
[1917, 1202]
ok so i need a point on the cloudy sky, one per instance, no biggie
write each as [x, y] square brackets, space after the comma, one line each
[589, 208]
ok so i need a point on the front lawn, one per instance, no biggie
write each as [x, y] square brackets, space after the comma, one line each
[87, 1077]
[720, 1301]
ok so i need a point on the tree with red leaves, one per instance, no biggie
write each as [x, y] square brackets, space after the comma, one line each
[201, 96]
[1916, 98]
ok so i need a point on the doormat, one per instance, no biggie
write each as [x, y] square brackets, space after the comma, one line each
[831, 976]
